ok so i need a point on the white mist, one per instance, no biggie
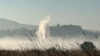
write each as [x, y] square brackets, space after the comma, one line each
[43, 30]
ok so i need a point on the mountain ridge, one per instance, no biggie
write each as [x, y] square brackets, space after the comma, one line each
[9, 24]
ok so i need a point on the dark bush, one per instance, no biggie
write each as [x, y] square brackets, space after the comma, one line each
[87, 46]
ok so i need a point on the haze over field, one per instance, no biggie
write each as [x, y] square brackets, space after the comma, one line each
[68, 34]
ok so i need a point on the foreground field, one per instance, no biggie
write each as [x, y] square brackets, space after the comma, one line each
[51, 52]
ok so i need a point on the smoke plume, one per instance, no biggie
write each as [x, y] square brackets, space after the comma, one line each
[43, 30]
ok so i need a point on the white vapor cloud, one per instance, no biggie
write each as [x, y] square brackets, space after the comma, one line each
[43, 30]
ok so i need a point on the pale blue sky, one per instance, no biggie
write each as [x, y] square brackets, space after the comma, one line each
[61, 11]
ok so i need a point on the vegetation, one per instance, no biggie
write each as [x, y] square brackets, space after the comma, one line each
[65, 30]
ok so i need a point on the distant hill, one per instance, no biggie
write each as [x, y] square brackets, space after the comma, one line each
[71, 30]
[55, 31]
[9, 24]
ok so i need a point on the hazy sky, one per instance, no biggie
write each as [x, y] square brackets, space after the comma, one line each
[77, 12]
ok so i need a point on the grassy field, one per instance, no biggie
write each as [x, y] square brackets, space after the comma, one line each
[51, 52]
